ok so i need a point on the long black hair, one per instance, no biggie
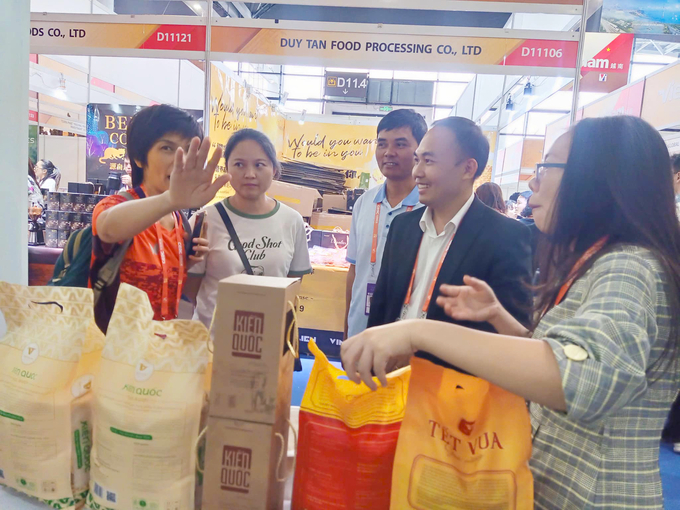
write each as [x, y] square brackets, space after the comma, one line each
[31, 171]
[617, 184]
[256, 136]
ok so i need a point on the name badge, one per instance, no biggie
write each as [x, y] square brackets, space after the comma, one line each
[370, 290]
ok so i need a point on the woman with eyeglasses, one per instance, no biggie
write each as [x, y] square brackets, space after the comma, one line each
[601, 364]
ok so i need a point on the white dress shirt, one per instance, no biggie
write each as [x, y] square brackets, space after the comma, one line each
[430, 253]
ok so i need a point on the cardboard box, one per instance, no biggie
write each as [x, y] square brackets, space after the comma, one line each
[242, 465]
[326, 221]
[252, 364]
[298, 197]
[321, 314]
[334, 202]
[326, 239]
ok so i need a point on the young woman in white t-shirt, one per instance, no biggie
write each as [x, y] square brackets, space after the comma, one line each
[272, 234]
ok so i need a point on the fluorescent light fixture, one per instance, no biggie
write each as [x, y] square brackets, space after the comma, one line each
[509, 105]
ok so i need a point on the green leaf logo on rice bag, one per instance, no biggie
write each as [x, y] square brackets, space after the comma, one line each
[51, 348]
[148, 398]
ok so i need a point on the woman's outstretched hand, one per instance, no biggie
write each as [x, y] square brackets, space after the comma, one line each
[191, 181]
[475, 301]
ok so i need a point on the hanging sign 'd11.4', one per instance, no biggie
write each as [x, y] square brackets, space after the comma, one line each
[346, 85]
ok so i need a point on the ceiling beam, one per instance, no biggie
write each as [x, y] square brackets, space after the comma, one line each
[242, 9]
[447, 5]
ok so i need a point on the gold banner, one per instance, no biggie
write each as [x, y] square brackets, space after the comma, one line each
[233, 107]
[348, 147]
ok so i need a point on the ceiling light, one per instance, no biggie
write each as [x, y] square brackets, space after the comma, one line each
[509, 105]
[198, 6]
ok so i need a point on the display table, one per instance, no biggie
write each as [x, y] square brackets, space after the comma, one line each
[41, 262]
[12, 500]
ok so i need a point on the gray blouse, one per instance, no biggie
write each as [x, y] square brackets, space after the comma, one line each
[607, 334]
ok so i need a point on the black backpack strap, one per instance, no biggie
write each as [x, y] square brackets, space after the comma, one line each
[109, 271]
[234, 236]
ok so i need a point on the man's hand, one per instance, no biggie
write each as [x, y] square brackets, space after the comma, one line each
[475, 301]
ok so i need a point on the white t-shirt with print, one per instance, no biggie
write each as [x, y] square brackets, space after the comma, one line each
[275, 244]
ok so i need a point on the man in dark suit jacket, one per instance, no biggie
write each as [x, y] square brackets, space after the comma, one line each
[455, 236]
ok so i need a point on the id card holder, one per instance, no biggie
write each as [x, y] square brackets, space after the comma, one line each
[370, 290]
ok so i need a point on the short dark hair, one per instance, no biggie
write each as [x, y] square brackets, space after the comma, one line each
[255, 136]
[148, 126]
[515, 196]
[470, 140]
[404, 118]
[675, 163]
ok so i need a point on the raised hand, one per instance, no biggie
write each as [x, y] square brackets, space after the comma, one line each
[191, 181]
[475, 301]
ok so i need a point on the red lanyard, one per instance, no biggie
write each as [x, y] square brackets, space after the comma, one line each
[376, 224]
[426, 305]
[166, 271]
[589, 253]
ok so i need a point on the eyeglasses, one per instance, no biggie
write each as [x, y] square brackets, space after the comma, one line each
[542, 168]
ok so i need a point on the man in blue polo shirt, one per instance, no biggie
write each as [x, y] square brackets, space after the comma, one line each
[399, 134]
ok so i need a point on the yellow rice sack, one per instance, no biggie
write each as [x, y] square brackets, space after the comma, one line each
[148, 399]
[48, 358]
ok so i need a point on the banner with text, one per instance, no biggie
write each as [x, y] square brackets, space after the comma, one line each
[106, 142]
[234, 107]
[33, 143]
[362, 47]
[626, 101]
[661, 104]
[606, 61]
[346, 146]
[63, 34]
